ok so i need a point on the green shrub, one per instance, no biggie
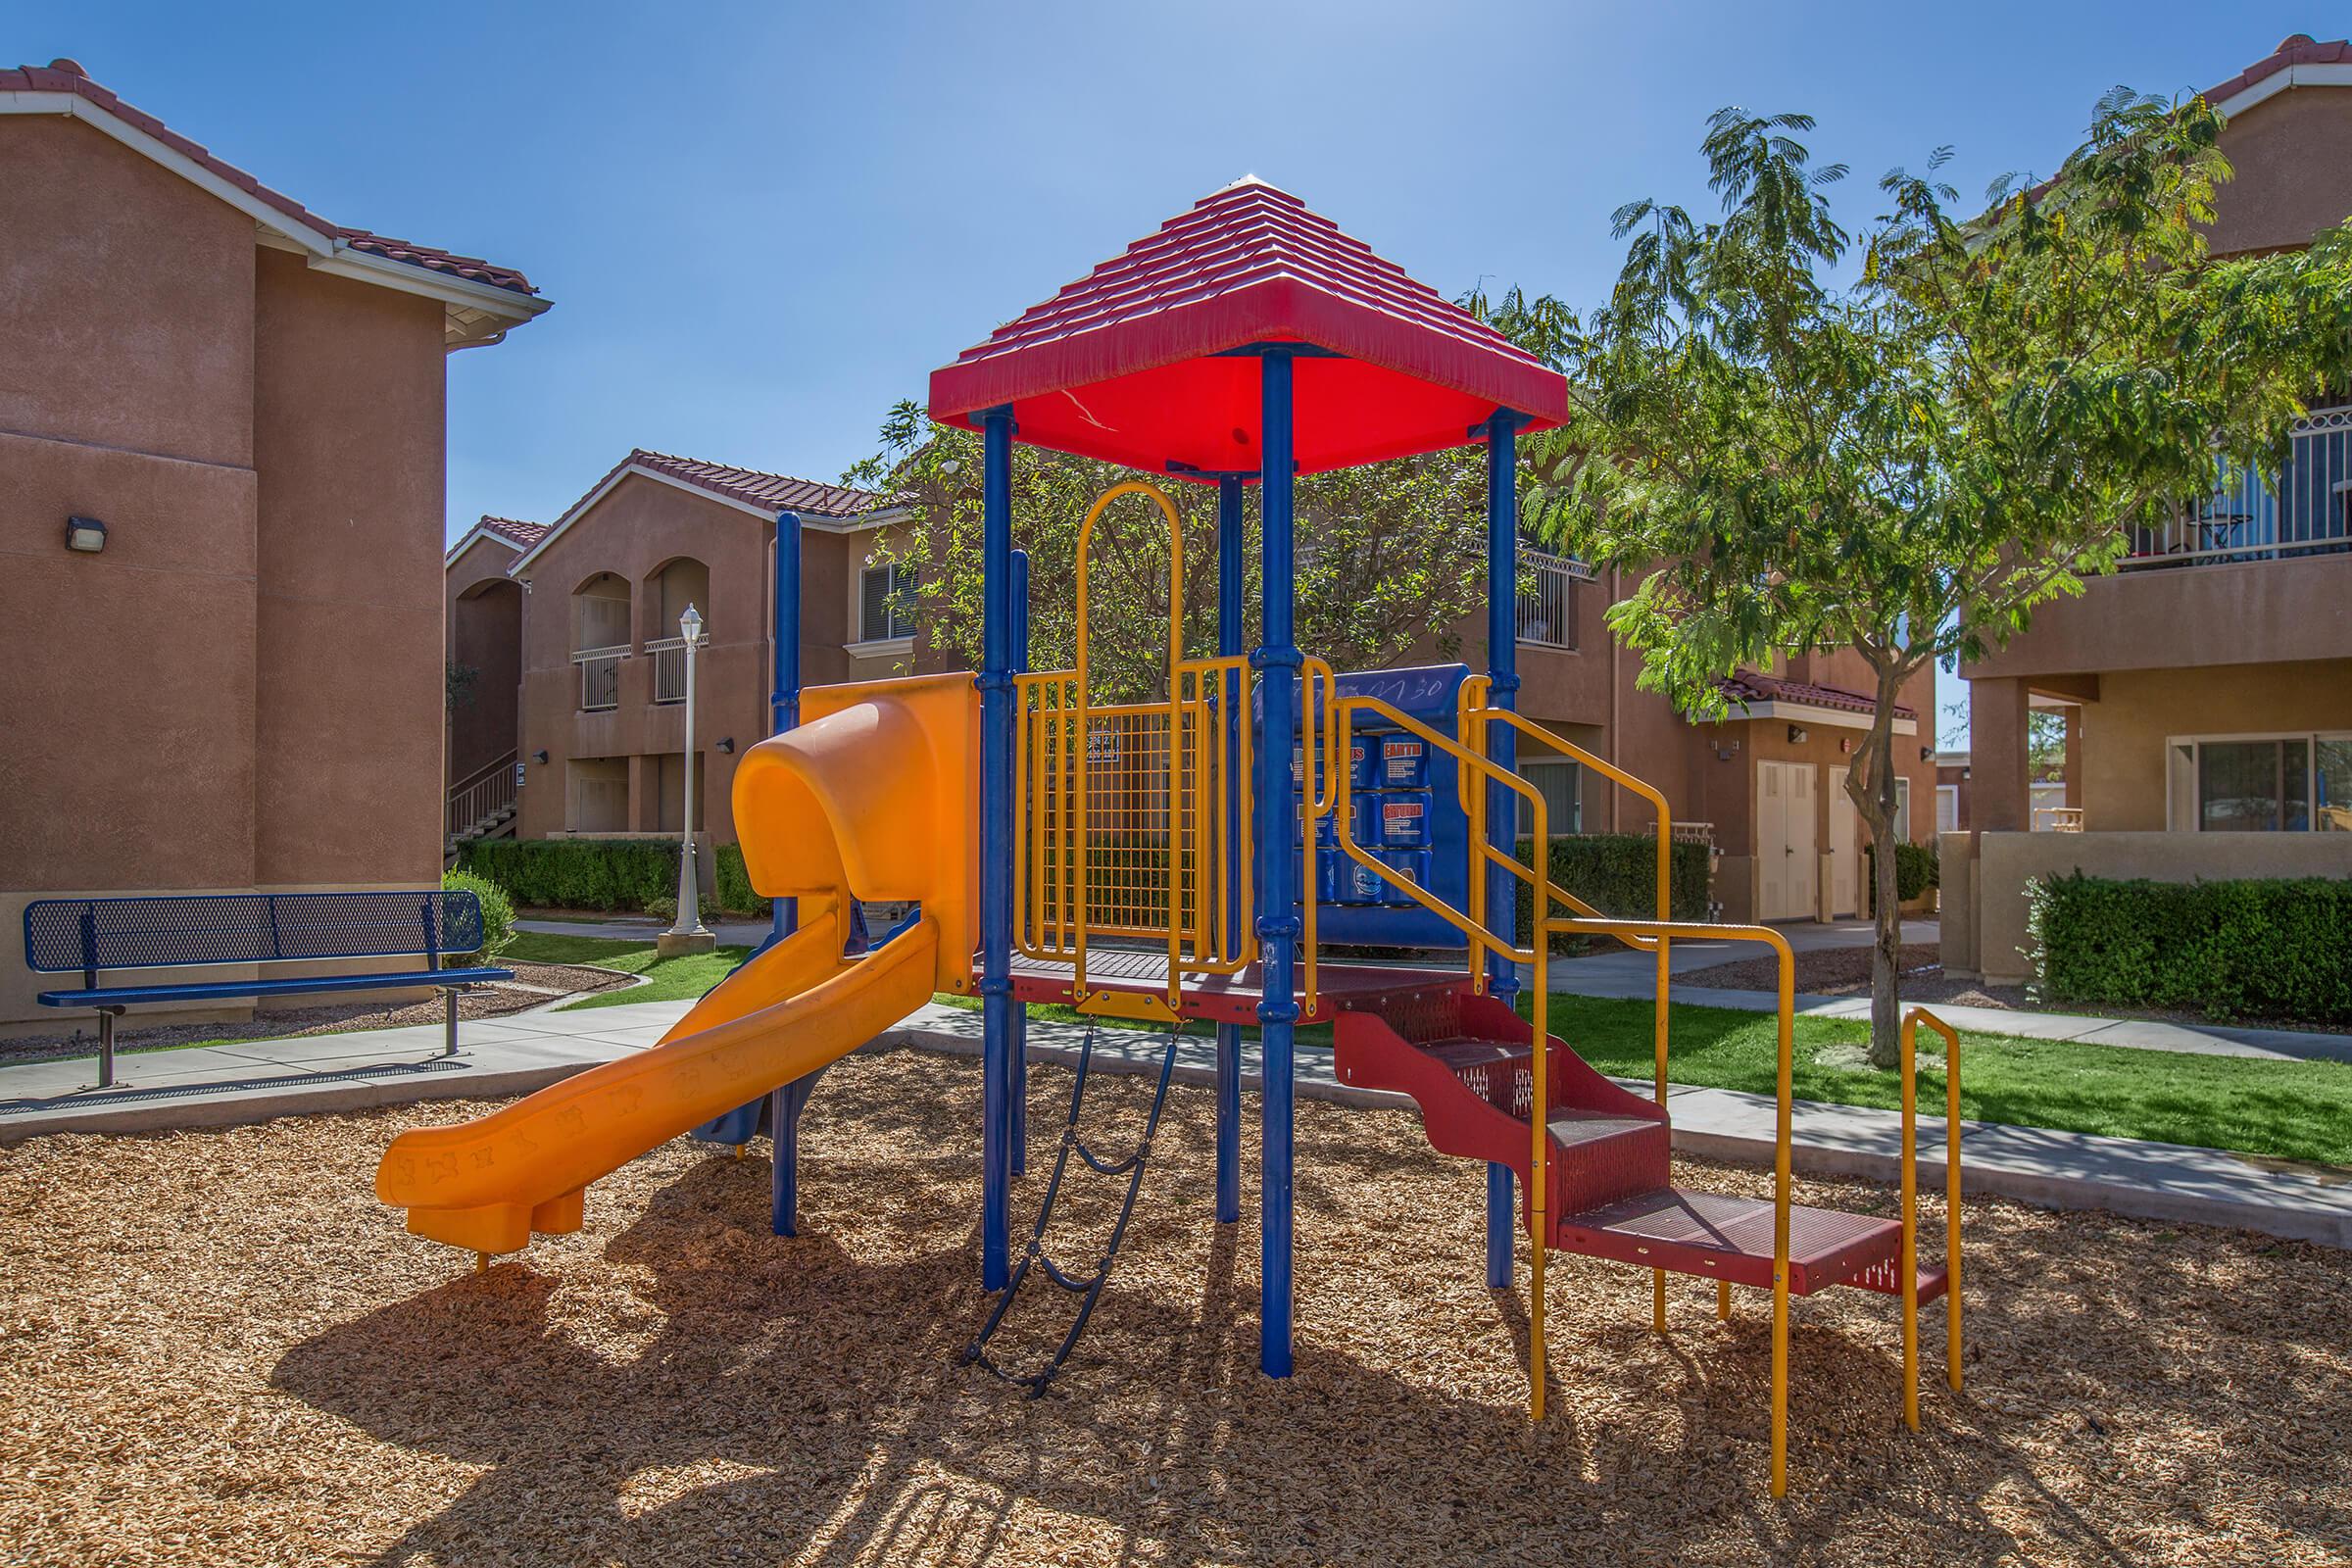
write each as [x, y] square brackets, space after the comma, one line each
[577, 873]
[1917, 869]
[2270, 949]
[1617, 873]
[663, 907]
[498, 916]
[734, 890]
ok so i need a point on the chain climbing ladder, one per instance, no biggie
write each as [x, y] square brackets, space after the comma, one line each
[1089, 1288]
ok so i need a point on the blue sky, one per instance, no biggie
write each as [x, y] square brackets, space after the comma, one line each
[762, 224]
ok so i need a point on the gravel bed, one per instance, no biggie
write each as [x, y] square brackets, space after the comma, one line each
[535, 984]
[217, 1347]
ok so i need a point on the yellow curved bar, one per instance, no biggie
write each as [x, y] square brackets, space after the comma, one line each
[1952, 1206]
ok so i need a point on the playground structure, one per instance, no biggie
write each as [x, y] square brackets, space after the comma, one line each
[1186, 855]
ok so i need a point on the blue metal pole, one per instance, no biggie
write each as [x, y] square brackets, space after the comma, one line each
[1502, 744]
[1231, 574]
[1019, 1095]
[1278, 926]
[996, 841]
[784, 702]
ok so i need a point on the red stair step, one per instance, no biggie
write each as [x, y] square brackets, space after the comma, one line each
[1719, 1236]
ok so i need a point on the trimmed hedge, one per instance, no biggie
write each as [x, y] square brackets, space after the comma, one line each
[1917, 869]
[1617, 873]
[498, 916]
[2258, 948]
[577, 873]
[734, 890]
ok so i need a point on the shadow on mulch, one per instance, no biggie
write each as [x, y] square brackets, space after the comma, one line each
[694, 1389]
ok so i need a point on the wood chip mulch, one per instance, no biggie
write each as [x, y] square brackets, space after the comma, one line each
[217, 1347]
[534, 985]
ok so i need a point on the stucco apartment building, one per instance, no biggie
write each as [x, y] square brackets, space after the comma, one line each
[2207, 684]
[573, 629]
[240, 404]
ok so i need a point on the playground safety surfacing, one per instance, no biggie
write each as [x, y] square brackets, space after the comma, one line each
[218, 1348]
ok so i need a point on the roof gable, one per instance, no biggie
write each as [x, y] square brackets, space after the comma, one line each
[825, 508]
[1134, 363]
[482, 299]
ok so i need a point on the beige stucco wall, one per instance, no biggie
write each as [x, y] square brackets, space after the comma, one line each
[2124, 732]
[2005, 863]
[242, 690]
[2293, 156]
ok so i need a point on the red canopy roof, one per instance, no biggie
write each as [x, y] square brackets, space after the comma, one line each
[1129, 363]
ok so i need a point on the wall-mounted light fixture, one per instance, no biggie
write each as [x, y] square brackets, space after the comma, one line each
[85, 534]
[1926, 753]
[1796, 735]
[726, 745]
[539, 756]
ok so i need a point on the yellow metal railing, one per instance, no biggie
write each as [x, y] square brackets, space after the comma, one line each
[1952, 1206]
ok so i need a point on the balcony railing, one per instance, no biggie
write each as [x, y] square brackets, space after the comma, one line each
[2251, 516]
[670, 666]
[600, 677]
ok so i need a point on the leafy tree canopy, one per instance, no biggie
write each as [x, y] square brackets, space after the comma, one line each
[1390, 556]
[1906, 462]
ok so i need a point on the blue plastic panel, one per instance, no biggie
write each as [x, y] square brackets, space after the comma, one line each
[1354, 907]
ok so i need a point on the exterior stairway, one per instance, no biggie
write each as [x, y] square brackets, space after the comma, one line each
[1468, 1061]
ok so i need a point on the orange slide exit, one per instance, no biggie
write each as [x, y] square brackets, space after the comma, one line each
[874, 797]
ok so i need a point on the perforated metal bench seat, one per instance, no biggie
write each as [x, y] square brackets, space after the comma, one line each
[234, 990]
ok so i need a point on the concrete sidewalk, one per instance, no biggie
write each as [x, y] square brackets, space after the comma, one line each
[255, 1080]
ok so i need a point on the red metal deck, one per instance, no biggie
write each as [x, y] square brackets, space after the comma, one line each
[1230, 999]
[1719, 1236]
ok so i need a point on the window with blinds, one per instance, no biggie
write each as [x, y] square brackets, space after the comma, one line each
[886, 603]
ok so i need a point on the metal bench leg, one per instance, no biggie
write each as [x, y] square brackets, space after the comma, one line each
[105, 1046]
[449, 997]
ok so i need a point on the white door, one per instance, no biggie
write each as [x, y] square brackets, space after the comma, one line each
[1845, 859]
[1785, 840]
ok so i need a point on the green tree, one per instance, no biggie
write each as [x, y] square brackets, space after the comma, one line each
[1906, 458]
[1390, 556]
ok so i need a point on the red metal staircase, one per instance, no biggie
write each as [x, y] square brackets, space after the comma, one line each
[1468, 1061]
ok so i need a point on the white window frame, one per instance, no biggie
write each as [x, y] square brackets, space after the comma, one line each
[1570, 571]
[896, 640]
[2311, 738]
[1902, 809]
[1944, 793]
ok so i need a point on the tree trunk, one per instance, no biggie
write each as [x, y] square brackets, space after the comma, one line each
[1871, 787]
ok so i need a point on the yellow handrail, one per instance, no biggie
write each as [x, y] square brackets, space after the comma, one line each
[1952, 1206]
[1783, 1129]
[1665, 911]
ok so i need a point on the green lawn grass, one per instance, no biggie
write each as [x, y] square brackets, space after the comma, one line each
[2286, 1109]
[666, 979]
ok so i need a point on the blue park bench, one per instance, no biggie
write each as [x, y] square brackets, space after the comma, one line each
[92, 935]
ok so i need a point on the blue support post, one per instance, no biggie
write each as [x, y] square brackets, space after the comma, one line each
[784, 701]
[1278, 926]
[1232, 573]
[1019, 1095]
[784, 1107]
[1502, 744]
[996, 841]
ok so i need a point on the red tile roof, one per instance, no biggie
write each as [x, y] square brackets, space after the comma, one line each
[521, 535]
[1128, 364]
[770, 492]
[2295, 49]
[1749, 686]
[66, 76]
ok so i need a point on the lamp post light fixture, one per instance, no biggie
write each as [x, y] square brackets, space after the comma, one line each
[687, 935]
